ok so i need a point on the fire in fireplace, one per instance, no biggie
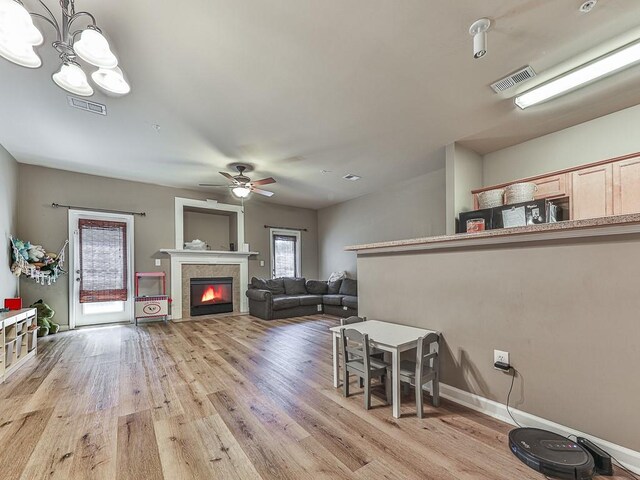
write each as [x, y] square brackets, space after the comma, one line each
[211, 295]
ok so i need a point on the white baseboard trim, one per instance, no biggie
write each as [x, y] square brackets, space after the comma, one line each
[629, 458]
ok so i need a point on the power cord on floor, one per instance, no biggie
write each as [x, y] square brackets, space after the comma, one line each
[513, 378]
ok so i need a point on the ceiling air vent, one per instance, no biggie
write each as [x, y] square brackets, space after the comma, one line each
[514, 79]
[87, 106]
[352, 177]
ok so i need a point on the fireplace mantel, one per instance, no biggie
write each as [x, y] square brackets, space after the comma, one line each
[205, 257]
[206, 253]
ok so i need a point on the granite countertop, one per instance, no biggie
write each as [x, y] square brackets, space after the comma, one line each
[619, 224]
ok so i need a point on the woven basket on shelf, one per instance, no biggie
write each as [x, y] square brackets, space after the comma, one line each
[491, 198]
[520, 192]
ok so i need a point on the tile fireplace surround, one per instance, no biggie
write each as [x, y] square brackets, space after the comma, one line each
[186, 264]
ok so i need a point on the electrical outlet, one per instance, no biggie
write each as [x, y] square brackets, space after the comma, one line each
[500, 356]
[319, 308]
[158, 262]
[262, 263]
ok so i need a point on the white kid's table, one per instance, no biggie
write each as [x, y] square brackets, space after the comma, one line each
[389, 337]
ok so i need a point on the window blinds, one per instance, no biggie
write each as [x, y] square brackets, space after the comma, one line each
[284, 252]
[103, 261]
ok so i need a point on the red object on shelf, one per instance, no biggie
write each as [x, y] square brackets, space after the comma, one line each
[13, 303]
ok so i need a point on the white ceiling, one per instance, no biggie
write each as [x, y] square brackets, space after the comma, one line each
[371, 87]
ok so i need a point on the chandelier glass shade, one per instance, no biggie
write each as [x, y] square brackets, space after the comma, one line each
[72, 78]
[111, 80]
[19, 36]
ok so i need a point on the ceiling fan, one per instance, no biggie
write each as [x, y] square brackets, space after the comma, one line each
[241, 185]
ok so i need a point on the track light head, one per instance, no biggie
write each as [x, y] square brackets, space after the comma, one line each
[478, 31]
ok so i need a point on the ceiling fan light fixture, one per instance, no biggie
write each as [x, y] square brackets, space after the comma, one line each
[94, 48]
[112, 80]
[597, 69]
[71, 78]
[241, 191]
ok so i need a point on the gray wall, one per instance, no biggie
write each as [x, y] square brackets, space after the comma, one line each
[415, 208]
[566, 312]
[38, 222]
[210, 228]
[605, 137]
[8, 222]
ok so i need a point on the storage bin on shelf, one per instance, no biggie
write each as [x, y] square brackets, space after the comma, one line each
[32, 334]
[8, 352]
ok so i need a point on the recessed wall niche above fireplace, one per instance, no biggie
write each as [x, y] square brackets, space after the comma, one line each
[211, 295]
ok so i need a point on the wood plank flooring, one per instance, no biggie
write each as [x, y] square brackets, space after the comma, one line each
[225, 398]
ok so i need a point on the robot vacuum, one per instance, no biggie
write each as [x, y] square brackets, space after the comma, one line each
[551, 454]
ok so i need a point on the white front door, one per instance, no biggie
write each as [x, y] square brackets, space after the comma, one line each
[101, 268]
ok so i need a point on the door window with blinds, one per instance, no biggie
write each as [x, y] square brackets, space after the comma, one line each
[103, 261]
[285, 253]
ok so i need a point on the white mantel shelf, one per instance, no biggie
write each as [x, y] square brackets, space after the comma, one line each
[210, 253]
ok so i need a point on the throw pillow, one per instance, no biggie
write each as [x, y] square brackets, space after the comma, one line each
[317, 287]
[276, 286]
[349, 287]
[295, 286]
[259, 283]
[334, 287]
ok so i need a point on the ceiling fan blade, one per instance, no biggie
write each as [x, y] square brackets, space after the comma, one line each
[212, 185]
[264, 181]
[262, 192]
[228, 176]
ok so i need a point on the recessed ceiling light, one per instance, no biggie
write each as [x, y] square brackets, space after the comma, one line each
[587, 6]
[352, 177]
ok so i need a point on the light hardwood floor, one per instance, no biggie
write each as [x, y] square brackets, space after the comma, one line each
[231, 398]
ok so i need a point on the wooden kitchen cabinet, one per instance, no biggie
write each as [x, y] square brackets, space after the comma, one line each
[553, 186]
[592, 192]
[626, 186]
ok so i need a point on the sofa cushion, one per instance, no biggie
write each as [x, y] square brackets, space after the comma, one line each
[281, 302]
[332, 299]
[333, 288]
[259, 283]
[349, 287]
[294, 286]
[350, 301]
[310, 299]
[317, 287]
[275, 286]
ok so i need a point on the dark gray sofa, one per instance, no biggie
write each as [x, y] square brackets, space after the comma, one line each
[294, 297]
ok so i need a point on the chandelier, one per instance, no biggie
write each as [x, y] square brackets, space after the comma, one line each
[19, 36]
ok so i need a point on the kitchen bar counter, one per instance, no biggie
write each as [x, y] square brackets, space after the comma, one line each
[604, 226]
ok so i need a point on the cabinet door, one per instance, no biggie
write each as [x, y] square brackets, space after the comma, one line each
[626, 186]
[551, 187]
[592, 192]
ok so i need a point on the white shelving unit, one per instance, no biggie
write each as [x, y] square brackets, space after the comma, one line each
[18, 339]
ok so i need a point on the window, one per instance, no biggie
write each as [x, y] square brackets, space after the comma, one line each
[103, 261]
[285, 253]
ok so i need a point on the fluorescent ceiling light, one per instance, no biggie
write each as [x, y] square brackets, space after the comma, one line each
[587, 73]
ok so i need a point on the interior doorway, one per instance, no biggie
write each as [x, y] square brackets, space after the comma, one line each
[101, 270]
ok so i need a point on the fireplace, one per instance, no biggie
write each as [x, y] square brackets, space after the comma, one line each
[211, 295]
